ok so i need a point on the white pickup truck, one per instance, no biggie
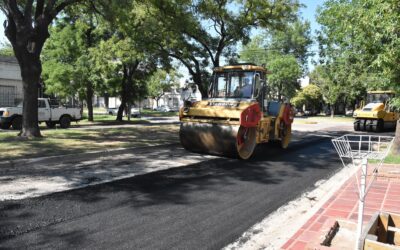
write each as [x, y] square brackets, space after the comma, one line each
[12, 116]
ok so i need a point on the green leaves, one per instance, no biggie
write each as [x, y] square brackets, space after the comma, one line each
[160, 82]
[285, 71]
[310, 96]
[285, 55]
[68, 58]
[360, 40]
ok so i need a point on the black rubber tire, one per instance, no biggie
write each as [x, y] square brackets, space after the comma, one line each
[5, 125]
[51, 124]
[368, 126]
[363, 124]
[65, 122]
[110, 113]
[17, 123]
[380, 127]
[357, 125]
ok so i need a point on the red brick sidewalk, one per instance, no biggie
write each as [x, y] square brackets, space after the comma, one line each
[384, 195]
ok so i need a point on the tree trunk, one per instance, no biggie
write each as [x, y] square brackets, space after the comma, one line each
[396, 142]
[128, 111]
[121, 109]
[332, 110]
[198, 80]
[89, 100]
[106, 100]
[27, 30]
[31, 69]
[125, 92]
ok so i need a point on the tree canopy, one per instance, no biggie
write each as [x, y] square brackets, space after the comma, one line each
[285, 54]
[359, 40]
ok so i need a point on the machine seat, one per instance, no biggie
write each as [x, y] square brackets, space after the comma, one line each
[273, 108]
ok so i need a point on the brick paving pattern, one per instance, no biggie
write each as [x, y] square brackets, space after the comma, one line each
[384, 195]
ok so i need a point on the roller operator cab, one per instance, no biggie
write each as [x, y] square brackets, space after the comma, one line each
[236, 116]
[377, 115]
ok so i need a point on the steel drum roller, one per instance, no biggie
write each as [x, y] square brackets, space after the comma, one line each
[226, 140]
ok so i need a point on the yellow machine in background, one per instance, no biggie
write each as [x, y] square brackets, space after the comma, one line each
[377, 115]
[236, 117]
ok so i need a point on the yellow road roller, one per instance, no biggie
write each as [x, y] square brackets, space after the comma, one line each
[377, 115]
[237, 115]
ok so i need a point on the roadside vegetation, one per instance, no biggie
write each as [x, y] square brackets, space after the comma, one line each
[121, 49]
[101, 117]
[72, 141]
[393, 158]
[322, 119]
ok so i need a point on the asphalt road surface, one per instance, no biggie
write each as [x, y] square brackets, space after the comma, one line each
[202, 206]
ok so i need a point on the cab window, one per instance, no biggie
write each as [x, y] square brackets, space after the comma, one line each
[41, 104]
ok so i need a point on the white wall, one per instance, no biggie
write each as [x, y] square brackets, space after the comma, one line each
[10, 81]
[9, 69]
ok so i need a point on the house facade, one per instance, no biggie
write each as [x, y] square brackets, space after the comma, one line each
[10, 82]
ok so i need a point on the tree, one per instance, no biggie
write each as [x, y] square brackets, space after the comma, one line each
[125, 66]
[310, 96]
[323, 77]
[27, 29]
[295, 39]
[284, 53]
[160, 82]
[68, 59]
[200, 33]
[365, 32]
[283, 80]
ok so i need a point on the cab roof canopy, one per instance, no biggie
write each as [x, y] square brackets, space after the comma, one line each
[382, 92]
[241, 66]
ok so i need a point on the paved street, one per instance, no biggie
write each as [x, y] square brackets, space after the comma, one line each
[204, 205]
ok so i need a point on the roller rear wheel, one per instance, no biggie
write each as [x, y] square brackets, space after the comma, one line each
[285, 134]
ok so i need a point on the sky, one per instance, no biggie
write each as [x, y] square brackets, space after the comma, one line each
[2, 36]
[309, 12]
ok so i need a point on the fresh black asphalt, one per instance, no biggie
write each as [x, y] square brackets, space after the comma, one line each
[202, 206]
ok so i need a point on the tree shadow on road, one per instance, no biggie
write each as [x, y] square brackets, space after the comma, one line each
[271, 168]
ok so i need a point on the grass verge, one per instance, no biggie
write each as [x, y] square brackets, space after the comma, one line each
[71, 141]
[322, 119]
[393, 159]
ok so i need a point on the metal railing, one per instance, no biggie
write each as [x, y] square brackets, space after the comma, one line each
[359, 149]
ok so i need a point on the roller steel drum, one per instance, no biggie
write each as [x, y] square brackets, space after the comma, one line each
[226, 140]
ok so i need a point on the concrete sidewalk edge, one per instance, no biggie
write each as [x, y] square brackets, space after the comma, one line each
[263, 236]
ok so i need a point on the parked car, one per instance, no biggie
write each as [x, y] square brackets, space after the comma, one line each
[112, 111]
[12, 116]
[164, 108]
[299, 113]
[135, 112]
[310, 112]
[349, 112]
